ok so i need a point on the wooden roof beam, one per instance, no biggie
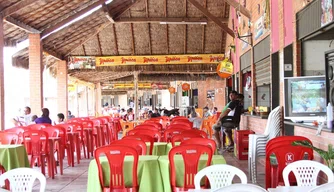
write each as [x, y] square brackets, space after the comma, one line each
[121, 12]
[212, 17]
[237, 6]
[17, 7]
[178, 72]
[68, 19]
[53, 54]
[21, 25]
[107, 13]
[167, 20]
[117, 76]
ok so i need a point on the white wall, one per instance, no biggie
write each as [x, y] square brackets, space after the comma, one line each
[165, 99]
[123, 101]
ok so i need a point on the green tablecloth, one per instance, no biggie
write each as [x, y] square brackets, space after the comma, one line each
[164, 168]
[13, 156]
[159, 148]
[149, 177]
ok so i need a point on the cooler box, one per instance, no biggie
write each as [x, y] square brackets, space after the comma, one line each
[241, 143]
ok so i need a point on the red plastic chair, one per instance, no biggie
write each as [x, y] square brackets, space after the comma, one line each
[184, 123]
[38, 126]
[178, 118]
[139, 145]
[184, 136]
[66, 144]
[99, 132]
[155, 124]
[179, 126]
[8, 138]
[39, 144]
[196, 131]
[147, 126]
[83, 140]
[145, 138]
[155, 134]
[116, 127]
[201, 141]
[115, 155]
[91, 135]
[106, 129]
[191, 155]
[285, 153]
[169, 133]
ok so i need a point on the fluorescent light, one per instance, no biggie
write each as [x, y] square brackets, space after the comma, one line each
[183, 23]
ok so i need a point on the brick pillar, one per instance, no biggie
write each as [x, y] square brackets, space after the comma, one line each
[36, 73]
[62, 90]
[2, 93]
[98, 97]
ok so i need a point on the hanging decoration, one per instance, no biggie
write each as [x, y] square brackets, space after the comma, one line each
[171, 90]
[225, 68]
[185, 86]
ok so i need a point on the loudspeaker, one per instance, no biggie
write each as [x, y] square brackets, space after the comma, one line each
[329, 61]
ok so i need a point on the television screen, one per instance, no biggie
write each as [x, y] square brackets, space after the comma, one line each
[308, 96]
[305, 97]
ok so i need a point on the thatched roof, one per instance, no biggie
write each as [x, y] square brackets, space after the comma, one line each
[136, 31]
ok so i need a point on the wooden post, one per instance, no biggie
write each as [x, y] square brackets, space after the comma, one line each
[135, 79]
[2, 85]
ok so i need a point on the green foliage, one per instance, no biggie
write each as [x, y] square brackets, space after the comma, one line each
[328, 155]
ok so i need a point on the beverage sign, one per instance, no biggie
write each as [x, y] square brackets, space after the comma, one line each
[158, 59]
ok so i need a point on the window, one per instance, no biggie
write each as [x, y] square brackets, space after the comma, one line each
[263, 96]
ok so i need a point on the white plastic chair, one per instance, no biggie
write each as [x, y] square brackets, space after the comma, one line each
[241, 188]
[257, 142]
[219, 176]
[22, 179]
[328, 187]
[306, 172]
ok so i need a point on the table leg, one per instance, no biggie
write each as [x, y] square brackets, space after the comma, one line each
[87, 135]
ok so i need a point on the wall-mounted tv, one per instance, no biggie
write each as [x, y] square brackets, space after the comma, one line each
[305, 98]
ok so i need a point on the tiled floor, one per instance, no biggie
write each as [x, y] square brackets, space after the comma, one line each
[75, 178]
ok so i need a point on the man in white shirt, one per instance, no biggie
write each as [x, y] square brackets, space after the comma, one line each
[25, 119]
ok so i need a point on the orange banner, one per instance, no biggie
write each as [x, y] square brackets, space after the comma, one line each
[158, 59]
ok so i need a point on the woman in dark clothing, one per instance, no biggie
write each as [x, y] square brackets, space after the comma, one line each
[44, 118]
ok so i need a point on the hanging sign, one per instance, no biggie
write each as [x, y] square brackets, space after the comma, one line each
[158, 59]
[225, 69]
[81, 63]
[185, 86]
[171, 90]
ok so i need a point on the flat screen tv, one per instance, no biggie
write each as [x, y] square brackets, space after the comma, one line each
[305, 98]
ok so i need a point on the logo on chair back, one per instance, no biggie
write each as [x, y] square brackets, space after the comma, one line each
[186, 138]
[115, 152]
[289, 158]
[191, 151]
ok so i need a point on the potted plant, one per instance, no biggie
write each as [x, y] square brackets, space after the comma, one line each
[328, 155]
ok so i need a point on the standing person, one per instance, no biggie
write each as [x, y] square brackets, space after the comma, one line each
[44, 118]
[25, 119]
[217, 127]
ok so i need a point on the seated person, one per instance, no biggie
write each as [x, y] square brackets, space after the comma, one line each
[44, 118]
[230, 107]
[206, 113]
[60, 120]
[156, 113]
[194, 117]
